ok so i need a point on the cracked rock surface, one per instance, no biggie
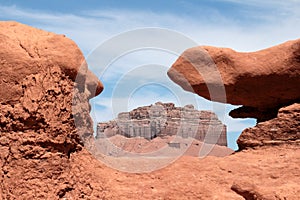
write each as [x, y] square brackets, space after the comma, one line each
[42, 154]
[38, 135]
[285, 128]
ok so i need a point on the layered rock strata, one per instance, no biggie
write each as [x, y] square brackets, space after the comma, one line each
[284, 129]
[164, 119]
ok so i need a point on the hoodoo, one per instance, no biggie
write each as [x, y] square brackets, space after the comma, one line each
[262, 82]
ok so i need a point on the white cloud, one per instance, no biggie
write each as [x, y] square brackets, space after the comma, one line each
[267, 3]
[92, 27]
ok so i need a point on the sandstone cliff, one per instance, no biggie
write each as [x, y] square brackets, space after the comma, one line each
[164, 119]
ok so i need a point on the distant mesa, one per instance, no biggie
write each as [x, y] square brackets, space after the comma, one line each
[164, 119]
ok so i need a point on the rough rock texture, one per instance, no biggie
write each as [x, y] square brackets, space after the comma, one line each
[42, 157]
[264, 82]
[168, 146]
[259, 174]
[164, 119]
[38, 134]
[261, 81]
[283, 129]
[26, 51]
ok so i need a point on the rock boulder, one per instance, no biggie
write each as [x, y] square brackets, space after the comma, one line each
[261, 81]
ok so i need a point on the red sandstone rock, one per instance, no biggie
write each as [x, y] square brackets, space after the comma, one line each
[26, 51]
[268, 173]
[42, 157]
[38, 135]
[141, 145]
[261, 81]
[285, 128]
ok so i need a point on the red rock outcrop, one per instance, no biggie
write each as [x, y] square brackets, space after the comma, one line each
[285, 128]
[261, 81]
[40, 103]
[261, 174]
[42, 156]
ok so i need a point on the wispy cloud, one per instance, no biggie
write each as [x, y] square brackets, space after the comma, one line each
[276, 22]
[266, 3]
[90, 28]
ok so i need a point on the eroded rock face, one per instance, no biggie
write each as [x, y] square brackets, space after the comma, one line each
[285, 128]
[261, 81]
[26, 50]
[266, 83]
[39, 102]
[41, 155]
[164, 119]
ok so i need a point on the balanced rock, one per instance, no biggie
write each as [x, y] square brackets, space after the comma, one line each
[44, 115]
[266, 83]
[261, 81]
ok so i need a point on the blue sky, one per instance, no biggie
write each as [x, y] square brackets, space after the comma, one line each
[241, 25]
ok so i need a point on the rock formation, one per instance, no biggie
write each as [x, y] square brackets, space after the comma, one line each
[40, 104]
[260, 174]
[264, 82]
[261, 81]
[42, 156]
[284, 129]
[164, 119]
